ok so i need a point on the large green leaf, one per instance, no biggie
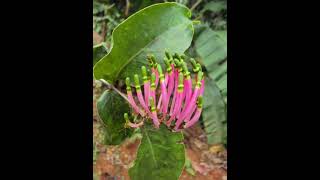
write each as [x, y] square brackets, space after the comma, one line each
[111, 107]
[214, 114]
[161, 155]
[99, 51]
[151, 30]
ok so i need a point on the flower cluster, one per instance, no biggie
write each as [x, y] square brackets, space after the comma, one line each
[178, 103]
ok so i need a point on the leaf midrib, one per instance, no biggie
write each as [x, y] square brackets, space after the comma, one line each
[151, 147]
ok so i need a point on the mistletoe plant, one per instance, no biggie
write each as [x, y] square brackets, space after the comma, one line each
[164, 89]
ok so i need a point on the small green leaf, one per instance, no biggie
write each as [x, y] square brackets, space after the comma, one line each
[161, 155]
[111, 107]
[99, 51]
[151, 30]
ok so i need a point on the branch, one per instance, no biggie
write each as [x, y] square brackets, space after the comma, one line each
[195, 5]
[110, 86]
[127, 8]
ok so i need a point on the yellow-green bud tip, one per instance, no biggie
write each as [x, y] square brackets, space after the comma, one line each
[136, 80]
[126, 117]
[180, 78]
[144, 71]
[200, 102]
[193, 62]
[159, 69]
[128, 82]
[177, 62]
[153, 78]
[185, 68]
[168, 55]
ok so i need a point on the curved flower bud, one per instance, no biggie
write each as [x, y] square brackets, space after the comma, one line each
[154, 113]
[139, 93]
[197, 114]
[154, 69]
[163, 91]
[195, 66]
[146, 85]
[194, 96]
[168, 55]
[177, 105]
[131, 100]
[153, 87]
[187, 81]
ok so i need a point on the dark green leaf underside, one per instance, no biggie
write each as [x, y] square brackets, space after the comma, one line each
[111, 107]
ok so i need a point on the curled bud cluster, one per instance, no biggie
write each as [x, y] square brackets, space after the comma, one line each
[168, 96]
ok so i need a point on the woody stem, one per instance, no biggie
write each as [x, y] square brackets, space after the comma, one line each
[110, 86]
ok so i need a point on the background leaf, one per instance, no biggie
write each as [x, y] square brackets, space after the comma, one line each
[99, 51]
[215, 6]
[214, 115]
[211, 46]
[151, 30]
[161, 155]
[111, 107]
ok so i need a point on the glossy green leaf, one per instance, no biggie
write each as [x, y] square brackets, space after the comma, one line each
[149, 31]
[214, 113]
[111, 107]
[161, 155]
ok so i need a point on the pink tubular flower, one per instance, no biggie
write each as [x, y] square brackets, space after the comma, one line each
[131, 100]
[139, 93]
[153, 88]
[178, 69]
[197, 114]
[177, 105]
[163, 91]
[146, 85]
[170, 72]
[154, 113]
[194, 96]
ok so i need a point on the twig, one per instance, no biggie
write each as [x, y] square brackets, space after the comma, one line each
[195, 5]
[110, 86]
[127, 8]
